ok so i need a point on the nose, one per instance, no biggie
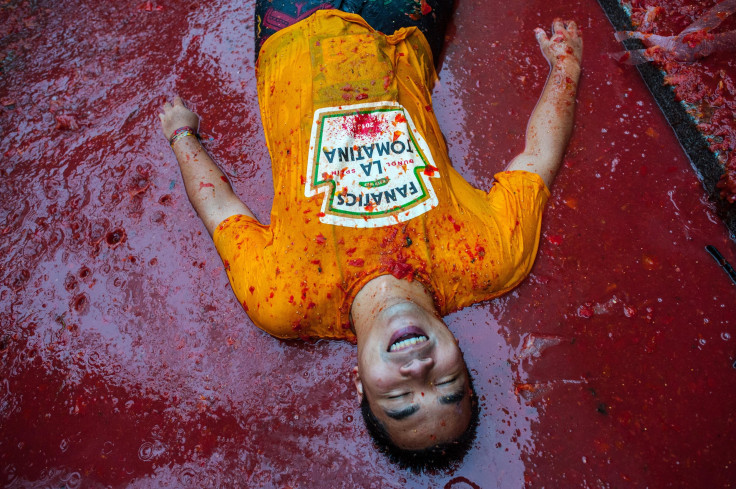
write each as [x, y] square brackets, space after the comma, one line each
[417, 367]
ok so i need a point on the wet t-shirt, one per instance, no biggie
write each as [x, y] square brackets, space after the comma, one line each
[364, 187]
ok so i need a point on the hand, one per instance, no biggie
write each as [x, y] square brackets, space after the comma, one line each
[566, 43]
[176, 115]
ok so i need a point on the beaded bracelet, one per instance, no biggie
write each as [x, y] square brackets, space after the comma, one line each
[181, 133]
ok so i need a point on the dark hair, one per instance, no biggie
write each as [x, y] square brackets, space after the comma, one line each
[436, 457]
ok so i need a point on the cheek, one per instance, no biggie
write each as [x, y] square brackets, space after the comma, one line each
[375, 377]
[451, 355]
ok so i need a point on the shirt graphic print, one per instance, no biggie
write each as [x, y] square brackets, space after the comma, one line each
[371, 164]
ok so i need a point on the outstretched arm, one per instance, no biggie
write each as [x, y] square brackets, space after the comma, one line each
[550, 125]
[208, 189]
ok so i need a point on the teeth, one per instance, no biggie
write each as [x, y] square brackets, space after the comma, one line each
[400, 345]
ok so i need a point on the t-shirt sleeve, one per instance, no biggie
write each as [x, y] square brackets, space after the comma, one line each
[494, 239]
[242, 243]
[517, 201]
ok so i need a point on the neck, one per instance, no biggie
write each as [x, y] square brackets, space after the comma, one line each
[380, 295]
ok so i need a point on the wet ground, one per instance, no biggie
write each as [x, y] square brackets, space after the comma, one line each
[125, 360]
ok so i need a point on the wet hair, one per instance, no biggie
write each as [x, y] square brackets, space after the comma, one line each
[436, 457]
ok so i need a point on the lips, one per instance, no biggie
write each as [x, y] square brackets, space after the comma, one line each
[406, 338]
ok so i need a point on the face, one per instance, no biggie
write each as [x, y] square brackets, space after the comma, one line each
[414, 377]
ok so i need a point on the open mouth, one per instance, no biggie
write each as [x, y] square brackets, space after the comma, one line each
[406, 338]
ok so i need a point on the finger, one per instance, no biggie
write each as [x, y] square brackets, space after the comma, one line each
[541, 36]
[178, 101]
[167, 107]
[161, 116]
[572, 28]
[557, 26]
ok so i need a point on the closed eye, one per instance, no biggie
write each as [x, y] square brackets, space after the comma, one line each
[397, 396]
[447, 382]
[453, 398]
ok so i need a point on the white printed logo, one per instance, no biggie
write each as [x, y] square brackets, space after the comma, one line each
[372, 165]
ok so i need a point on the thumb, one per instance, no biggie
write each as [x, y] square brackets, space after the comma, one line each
[541, 36]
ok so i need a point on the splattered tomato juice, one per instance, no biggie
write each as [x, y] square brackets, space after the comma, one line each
[127, 362]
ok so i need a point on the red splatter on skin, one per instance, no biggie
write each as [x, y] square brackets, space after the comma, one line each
[320, 239]
[224, 179]
[350, 251]
[251, 289]
[205, 185]
[358, 262]
[361, 96]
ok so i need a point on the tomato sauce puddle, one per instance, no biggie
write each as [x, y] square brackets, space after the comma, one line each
[127, 361]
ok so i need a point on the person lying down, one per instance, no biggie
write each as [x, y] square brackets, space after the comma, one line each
[374, 236]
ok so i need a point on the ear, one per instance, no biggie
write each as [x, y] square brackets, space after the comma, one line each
[358, 383]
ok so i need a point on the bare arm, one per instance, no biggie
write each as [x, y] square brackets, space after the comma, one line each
[550, 125]
[207, 187]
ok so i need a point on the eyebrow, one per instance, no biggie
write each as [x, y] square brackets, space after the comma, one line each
[404, 413]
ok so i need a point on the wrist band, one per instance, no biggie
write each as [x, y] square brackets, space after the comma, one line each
[182, 132]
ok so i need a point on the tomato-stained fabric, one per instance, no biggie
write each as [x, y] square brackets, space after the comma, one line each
[364, 186]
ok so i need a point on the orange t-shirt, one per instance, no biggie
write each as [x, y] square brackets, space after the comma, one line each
[364, 186]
